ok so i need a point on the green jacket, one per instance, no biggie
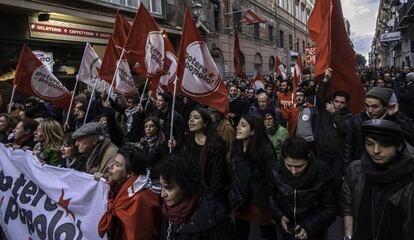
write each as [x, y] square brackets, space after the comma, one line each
[277, 139]
[51, 157]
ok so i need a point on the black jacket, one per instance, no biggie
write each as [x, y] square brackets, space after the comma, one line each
[137, 127]
[165, 120]
[353, 190]
[332, 127]
[354, 139]
[209, 222]
[255, 182]
[405, 95]
[313, 206]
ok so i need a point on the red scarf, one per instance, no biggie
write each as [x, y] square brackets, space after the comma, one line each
[139, 214]
[182, 211]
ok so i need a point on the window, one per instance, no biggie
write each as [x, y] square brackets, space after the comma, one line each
[216, 8]
[304, 47]
[280, 3]
[290, 42]
[256, 33]
[282, 39]
[154, 6]
[297, 10]
[270, 33]
[290, 7]
[297, 45]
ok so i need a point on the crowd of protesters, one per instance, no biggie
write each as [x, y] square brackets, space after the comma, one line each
[288, 162]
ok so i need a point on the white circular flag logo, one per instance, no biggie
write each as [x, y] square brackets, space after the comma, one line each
[201, 76]
[154, 53]
[46, 85]
[170, 76]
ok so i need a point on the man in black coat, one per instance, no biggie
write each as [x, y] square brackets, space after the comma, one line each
[405, 95]
[378, 190]
[380, 103]
[333, 123]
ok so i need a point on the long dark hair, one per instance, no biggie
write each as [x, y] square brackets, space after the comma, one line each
[256, 152]
[212, 136]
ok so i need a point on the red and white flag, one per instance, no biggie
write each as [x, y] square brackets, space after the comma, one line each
[199, 75]
[167, 80]
[145, 45]
[34, 78]
[279, 68]
[258, 82]
[251, 17]
[297, 73]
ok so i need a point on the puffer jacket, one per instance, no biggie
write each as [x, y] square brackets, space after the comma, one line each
[353, 190]
[313, 207]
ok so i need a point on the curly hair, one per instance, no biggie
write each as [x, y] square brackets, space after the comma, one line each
[184, 172]
[135, 159]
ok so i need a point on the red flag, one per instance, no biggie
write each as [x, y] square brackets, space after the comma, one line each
[199, 75]
[333, 49]
[277, 66]
[238, 70]
[114, 48]
[251, 17]
[297, 73]
[33, 78]
[145, 44]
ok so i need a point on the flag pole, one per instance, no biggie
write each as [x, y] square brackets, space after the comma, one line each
[12, 98]
[115, 73]
[143, 93]
[73, 96]
[172, 111]
[76, 85]
[90, 101]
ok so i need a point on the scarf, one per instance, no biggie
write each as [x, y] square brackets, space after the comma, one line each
[129, 114]
[402, 165]
[151, 141]
[123, 203]
[233, 99]
[303, 181]
[272, 130]
[182, 211]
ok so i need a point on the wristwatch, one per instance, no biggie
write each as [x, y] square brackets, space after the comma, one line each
[348, 237]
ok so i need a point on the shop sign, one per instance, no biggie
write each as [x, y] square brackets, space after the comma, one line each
[391, 36]
[65, 31]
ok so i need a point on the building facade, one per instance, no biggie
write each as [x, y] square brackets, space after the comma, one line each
[59, 29]
[393, 42]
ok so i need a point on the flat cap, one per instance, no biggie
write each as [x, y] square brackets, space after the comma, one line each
[88, 129]
[382, 127]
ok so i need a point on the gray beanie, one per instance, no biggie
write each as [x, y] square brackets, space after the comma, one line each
[383, 94]
[88, 129]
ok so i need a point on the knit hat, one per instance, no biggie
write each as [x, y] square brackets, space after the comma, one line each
[383, 94]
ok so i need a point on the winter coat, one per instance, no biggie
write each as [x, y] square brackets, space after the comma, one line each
[354, 140]
[104, 152]
[353, 190]
[332, 127]
[208, 222]
[312, 206]
[277, 139]
[405, 97]
[137, 125]
[165, 120]
[226, 131]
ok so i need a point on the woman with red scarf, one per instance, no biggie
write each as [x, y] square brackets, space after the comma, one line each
[189, 211]
[133, 211]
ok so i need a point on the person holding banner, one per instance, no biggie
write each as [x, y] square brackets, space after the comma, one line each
[134, 210]
[190, 213]
[7, 123]
[23, 134]
[70, 157]
[98, 149]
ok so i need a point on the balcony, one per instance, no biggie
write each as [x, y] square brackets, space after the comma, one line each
[406, 13]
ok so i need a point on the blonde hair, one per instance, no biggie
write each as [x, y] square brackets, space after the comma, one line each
[53, 133]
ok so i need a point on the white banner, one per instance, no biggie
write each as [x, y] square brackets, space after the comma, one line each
[45, 202]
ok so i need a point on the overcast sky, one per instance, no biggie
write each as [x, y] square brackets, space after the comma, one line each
[362, 15]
